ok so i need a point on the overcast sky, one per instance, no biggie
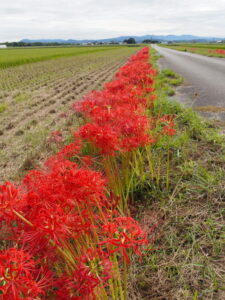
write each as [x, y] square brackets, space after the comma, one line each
[92, 19]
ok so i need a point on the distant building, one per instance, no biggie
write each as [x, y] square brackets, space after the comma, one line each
[3, 46]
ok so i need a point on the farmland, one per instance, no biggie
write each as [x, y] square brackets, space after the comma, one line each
[214, 50]
[35, 98]
[20, 56]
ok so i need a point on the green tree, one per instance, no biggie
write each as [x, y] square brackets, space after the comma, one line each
[130, 41]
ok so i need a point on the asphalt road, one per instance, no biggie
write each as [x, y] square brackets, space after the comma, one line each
[204, 77]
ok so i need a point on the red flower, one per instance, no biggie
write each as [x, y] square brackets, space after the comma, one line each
[17, 270]
[168, 123]
[103, 137]
[10, 199]
[80, 285]
[124, 233]
[168, 130]
[56, 137]
[8, 196]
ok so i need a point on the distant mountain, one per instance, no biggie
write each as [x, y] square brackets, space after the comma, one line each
[162, 38]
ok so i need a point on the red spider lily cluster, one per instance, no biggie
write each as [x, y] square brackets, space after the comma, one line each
[63, 235]
[190, 49]
[218, 51]
[117, 120]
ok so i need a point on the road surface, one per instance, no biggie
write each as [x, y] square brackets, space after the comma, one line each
[204, 78]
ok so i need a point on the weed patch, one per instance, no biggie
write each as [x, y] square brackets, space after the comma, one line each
[3, 107]
[22, 97]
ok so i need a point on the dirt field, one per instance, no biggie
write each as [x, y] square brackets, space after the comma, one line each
[36, 99]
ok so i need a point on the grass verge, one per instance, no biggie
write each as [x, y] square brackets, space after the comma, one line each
[187, 259]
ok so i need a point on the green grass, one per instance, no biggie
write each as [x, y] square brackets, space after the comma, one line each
[169, 73]
[167, 80]
[20, 56]
[22, 97]
[3, 107]
[36, 137]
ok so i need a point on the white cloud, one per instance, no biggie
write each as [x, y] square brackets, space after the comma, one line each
[103, 18]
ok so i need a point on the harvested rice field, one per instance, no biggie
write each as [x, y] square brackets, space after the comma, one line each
[36, 98]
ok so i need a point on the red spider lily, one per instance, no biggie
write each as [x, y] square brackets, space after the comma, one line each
[69, 150]
[93, 269]
[53, 223]
[56, 137]
[65, 184]
[117, 129]
[8, 196]
[10, 200]
[149, 90]
[100, 259]
[103, 137]
[168, 119]
[117, 114]
[220, 51]
[60, 202]
[169, 130]
[124, 233]
[168, 122]
[217, 51]
[17, 270]
[87, 160]
[81, 283]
